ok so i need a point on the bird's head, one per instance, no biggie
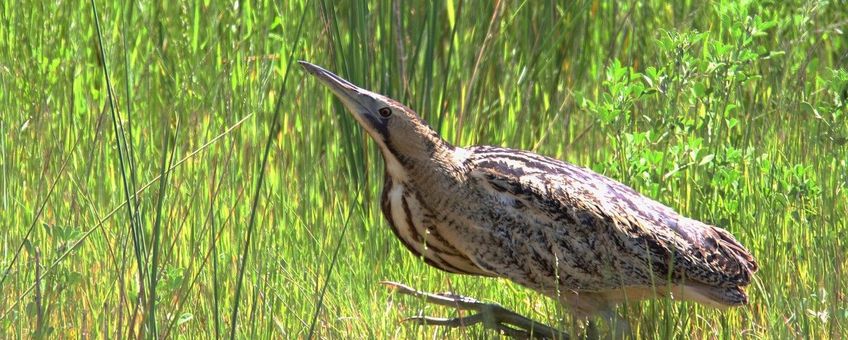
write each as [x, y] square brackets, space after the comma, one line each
[399, 132]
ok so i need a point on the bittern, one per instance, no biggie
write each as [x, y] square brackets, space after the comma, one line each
[562, 230]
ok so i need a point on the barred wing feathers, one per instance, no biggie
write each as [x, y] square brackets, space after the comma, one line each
[628, 239]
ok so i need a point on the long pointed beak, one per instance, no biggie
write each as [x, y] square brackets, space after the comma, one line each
[355, 98]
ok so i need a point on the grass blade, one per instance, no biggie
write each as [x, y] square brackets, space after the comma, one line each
[275, 126]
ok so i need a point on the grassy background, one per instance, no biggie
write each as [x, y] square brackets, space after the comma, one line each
[731, 112]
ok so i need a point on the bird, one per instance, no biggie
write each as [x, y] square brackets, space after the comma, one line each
[562, 230]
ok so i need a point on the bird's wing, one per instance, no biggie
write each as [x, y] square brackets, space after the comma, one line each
[646, 239]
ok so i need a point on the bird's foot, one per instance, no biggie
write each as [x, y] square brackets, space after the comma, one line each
[619, 327]
[490, 315]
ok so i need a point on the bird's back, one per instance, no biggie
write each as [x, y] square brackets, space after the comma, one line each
[560, 226]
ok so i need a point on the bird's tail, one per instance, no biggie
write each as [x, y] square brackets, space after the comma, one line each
[731, 268]
[731, 245]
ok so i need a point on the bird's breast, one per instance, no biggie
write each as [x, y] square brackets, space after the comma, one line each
[422, 231]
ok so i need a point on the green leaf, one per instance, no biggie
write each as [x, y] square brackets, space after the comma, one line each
[29, 247]
[700, 90]
[73, 278]
[732, 122]
[31, 309]
[729, 107]
[706, 159]
[184, 317]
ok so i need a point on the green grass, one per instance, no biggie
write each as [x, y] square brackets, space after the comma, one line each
[731, 113]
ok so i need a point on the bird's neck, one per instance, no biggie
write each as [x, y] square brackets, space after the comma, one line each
[437, 166]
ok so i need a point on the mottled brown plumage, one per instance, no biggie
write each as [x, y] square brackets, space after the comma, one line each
[557, 228]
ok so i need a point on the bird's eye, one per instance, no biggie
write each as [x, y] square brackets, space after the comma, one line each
[385, 112]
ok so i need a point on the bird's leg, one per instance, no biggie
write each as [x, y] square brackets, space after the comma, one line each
[592, 330]
[491, 315]
[587, 326]
[619, 327]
